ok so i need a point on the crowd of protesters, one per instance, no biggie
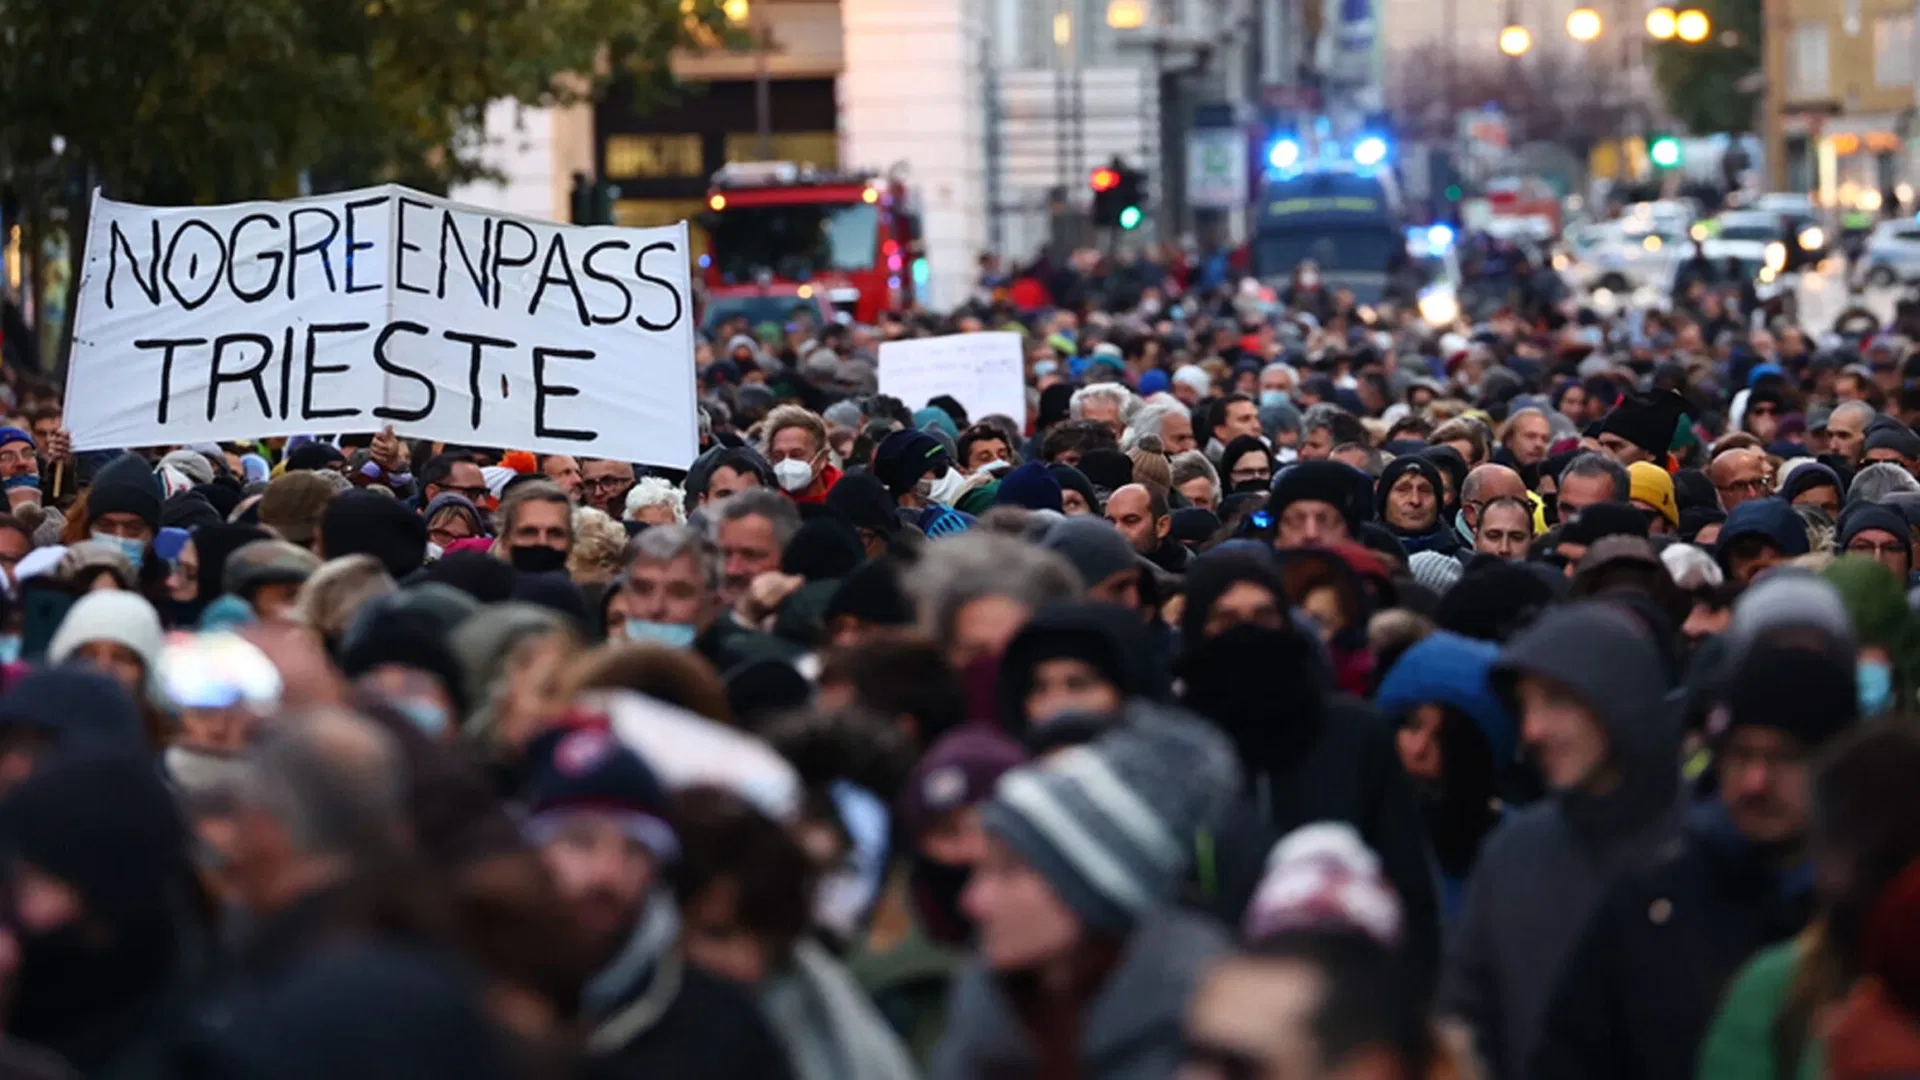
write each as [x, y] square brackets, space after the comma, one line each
[1294, 692]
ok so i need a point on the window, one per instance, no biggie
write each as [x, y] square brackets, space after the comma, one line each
[1807, 61]
[1893, 50]
[820, 149]
[633, 156]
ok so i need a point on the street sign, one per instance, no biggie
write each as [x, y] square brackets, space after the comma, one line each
[1217, 176]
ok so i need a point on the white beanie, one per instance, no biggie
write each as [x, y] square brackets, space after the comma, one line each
[1434, 570]
[110, 615]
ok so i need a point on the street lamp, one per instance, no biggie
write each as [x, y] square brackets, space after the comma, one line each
[1515, 41]
[1126, 14]
[1692, 26]
[1583, 24]
[1662, 23]
[737, 11]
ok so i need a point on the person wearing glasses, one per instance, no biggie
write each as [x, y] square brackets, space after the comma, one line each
[454, 474]
[1739, 476]
[1880, 533]
[604, 485]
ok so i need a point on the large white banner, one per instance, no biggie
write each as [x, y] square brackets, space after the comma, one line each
[985, 372]
[345, 313]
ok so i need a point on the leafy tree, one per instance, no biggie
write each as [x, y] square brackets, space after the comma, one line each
[1714, 86]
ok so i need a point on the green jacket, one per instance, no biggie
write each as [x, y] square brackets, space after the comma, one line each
[1740, 1045]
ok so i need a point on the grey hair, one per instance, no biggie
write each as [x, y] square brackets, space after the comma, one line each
[1193, 465]
[979, 564]
[757, 502]
[1854, 406]
[665, 543]
[1879, 480]
[337, 782]
[1122, 398]
[1596, 464]
[1278, 367]
[1691, 567]
[1150, 420]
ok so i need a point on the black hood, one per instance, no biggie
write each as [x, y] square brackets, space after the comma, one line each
[1609, 660]
[1112, 639]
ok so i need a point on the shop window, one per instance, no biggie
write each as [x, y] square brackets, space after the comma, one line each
[821, 149]
[650, 156]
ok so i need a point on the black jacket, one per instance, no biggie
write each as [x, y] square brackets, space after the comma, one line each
[688, 1025]
[1645, 981]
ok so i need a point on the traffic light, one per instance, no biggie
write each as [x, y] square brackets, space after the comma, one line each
[1665, 151]
[1119, 196]
[593, 200]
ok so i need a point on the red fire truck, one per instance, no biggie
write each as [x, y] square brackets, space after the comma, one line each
[784, 234]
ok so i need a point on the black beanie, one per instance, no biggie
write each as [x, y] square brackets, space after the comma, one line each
[1807, 693]
[1072, 479]
[103, 823]
[369, 523]
[126, 485]
[1494, 601]
[1602, 520]
[1338, 484]
[865, 503]
[872, 594]
[1108, 469]
[189, 510]
[824, 549]
[313, 456]
[392, 630]
[1694, 488]
[1391, 475]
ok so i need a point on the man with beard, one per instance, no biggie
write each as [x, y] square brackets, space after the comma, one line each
[100, 892]
[1640, 990]
[599, 817]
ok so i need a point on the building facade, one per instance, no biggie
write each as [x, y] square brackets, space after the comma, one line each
[1840, 97]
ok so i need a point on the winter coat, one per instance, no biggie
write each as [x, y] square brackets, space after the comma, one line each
[906, 972]
[669, 1018]
[1740, 1044]
[1641, 988]
[828, 1025]
[1544, 870]
[1130, 1030]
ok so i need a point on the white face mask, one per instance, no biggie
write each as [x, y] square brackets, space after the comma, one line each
[793, 475]
[947, 488]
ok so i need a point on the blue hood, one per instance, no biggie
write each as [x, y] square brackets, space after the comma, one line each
[1772, 518]
[1448, 669]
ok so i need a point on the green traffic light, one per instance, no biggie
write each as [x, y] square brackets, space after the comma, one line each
[1665, 153]
[1130, 217]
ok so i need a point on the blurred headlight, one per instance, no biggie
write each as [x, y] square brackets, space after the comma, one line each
[1439, 309]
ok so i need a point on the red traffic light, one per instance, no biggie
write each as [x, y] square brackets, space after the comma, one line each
[1106, 179]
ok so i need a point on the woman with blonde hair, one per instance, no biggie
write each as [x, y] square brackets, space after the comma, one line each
[337, 591]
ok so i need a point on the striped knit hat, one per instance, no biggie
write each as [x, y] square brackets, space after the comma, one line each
[1110, 825]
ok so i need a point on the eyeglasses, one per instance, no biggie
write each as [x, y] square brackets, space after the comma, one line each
[605, 483]
[1755, 486]
[1868, 547]
[471, 494]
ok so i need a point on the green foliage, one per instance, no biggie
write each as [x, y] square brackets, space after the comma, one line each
[214, 100]
[1713, 86]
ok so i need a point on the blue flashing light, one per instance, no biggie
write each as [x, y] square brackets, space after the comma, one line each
[706, 261]
[1369, 151]
[1284, 154]
[1440, 237]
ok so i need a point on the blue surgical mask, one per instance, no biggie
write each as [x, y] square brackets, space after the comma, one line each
[30, 480]
[672, 635]
[9, 648]
[1272, 398]
[134, 550]
[1875, 682]
[430, 718]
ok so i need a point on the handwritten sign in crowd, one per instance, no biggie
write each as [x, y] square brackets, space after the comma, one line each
[345, 313]
[984, 372]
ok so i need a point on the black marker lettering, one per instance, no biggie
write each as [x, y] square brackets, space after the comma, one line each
[640, 271]
[295, 248]
[313, 369]
[354, 246]
[557, 249]
[251, 375]
[626, 296]
[478, 272]
[542, 390]
[401, 247]
[390, 367]
[166, 365]
[271, 255]
[286, 372]
[150, 285]
[478, 343]
[193, 263]
[501, 260]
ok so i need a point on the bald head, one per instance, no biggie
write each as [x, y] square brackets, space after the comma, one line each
[1485, 484]
[1141, 513]
[1739, 475]
[1847, 430]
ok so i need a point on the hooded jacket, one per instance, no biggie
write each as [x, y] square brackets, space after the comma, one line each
[1130, 1027]
[1771, 518]
[1436, 537]
[1545, 869]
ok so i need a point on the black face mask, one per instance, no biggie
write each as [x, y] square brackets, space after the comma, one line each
[1550, 509]
[1250, 487]
[539, 559]
[69, 980]
[1262, 687]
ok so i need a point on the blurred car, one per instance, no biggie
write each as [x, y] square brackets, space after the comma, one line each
[1892, 254]
[772, 304]
[1621, 256]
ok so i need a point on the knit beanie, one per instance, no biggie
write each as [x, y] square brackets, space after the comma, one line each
[1324, 877]
[368, 523]
[77, 709]
[1862, 516]
[825, 549]
[126, 485]
[1602, 520]
[1108, 824]
[1435, 571]
[313, 456]
[1240, 447]
[1072, 479]
[866, 503]
[1810, 475]
[872, 594]
[1096, 549]
[1494, 601]
[191, 464]
[1790, 659]
[1653, 485]
[1391, 475]
[903, 457]
[1107, 469]
[293, 504]
[1898, 438]
[103, 823]
[188, 510]
[589, 771]
[1335, 483]
[1032, 486]
[960, 769]
[117, 616]
[395, 630]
